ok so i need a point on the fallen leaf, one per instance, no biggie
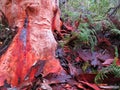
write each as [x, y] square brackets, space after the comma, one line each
[92, 86]
[85, 55]
[107, 62]
[55, 79]
[86, 77]
[105, 56]
[95, 62]
[72, 70]
[45, 86]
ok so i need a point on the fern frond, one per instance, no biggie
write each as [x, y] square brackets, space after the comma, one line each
[115, 31]
[112, 69]
[87, 35]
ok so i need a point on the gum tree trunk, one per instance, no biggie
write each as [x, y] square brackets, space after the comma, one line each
[34, 40]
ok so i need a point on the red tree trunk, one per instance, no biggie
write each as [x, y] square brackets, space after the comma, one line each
[34, 40]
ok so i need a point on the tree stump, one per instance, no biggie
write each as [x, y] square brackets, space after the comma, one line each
[34, 40]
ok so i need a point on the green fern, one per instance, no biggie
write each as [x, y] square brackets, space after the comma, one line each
[87, 35]
[115, 31]
[112, 69]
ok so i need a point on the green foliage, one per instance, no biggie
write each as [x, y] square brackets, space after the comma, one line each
[95, 11]
[112, 69]
[99, 7]
[96, 8]
[87, 36]
[116, 52]
[116, 55]
[73, 9]
[115, 31]
[85, 66]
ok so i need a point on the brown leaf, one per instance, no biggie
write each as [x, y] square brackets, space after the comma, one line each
[86, 77]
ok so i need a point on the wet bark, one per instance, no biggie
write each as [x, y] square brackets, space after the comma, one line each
[34, 40]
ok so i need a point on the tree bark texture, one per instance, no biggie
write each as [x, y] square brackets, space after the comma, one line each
[34, 40]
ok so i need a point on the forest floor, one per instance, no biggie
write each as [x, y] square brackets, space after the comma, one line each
[89, 52]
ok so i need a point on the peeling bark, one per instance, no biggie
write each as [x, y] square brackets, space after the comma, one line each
[34, 40]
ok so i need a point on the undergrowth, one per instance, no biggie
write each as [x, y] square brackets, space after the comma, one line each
[86, 35]
[112, 69]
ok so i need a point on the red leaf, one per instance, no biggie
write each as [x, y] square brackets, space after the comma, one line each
[92, 86]
[86, 77]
